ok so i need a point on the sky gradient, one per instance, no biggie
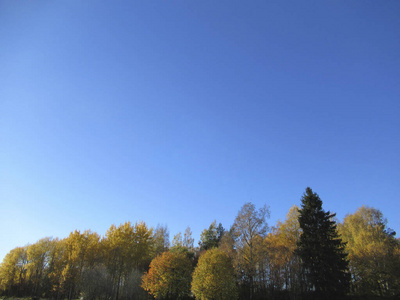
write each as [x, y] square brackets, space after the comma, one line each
[179, 112]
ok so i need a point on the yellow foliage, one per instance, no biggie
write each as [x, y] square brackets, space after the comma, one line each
[374, 254]
[13, 268]
[214, 277]
[169, 276]
[280, 245]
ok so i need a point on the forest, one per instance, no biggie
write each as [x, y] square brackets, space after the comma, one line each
[309, 255]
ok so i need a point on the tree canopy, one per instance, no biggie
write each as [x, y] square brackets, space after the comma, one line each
[321, 249]
[374, 253]
[169, 276]
[308, 254]
[214, 277]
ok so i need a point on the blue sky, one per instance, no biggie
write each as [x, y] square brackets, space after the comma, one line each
[179, 112]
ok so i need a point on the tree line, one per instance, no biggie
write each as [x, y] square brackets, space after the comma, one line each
[307, 256]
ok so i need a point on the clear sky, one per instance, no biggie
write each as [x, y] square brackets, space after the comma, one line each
[179, 112]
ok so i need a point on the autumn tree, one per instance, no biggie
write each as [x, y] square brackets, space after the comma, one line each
[13, 272]
[39, 257]
[142, 246]
[55, 269]
[321, 249]
[374, 253]
[81, 250]
[250, 228]
[283, 265]
[128, 247]
[214, 277]
[169, 276]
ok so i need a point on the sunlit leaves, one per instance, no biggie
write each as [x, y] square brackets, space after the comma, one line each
[81, 250]
[214, 277]
[259, 264]
[284, 265]
[127, 248]
[13, 271]
[373, 252]
[39, 259]
[169, 276]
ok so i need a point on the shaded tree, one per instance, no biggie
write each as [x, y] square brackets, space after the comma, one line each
[227, 243]
[321, 249]
[211, 237]
[185, 245]
[160, 240]
[188, 240]
[96, 283]
[177, 241]
[39, 258]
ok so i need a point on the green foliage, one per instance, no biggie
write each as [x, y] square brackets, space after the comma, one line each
[160, 240]
[177, 241]
[214, 277]
[184, 245]
[188, 240]
[211, 237]
[321, 250]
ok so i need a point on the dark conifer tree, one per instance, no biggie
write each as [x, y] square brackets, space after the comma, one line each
[321, 249]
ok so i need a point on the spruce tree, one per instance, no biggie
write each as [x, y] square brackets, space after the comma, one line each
[321, 249]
